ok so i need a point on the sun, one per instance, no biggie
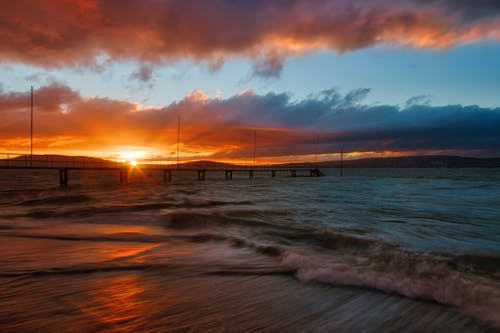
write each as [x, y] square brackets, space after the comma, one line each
[131, 157]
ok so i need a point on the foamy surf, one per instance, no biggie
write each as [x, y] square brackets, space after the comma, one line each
[424, 277]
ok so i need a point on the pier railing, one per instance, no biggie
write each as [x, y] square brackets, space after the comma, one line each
[23, 161]
[66, 163]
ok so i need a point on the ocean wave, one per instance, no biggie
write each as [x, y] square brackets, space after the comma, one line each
[252, 271]
[483, 262]
[56, 200]
[116, 237]
[79, 209]
[204, 203]
[420, 276]
[257, 221]
[195, 220]
[330, 240]
[88, 269]
[86, 211]
[134, 237]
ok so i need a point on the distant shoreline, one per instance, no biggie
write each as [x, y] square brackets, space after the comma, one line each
[419, 161]
[428, 161]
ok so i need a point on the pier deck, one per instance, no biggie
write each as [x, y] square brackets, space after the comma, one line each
[167, 171]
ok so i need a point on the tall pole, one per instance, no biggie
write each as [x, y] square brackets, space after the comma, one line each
[316, 151]
[178, 136]
[341, 161]
[254, 146]
[31, 136]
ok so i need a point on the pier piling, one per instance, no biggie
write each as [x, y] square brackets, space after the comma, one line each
[167, 176]
[123, 176]
[63, 177]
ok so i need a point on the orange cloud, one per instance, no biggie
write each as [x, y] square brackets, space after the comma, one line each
[68, 33]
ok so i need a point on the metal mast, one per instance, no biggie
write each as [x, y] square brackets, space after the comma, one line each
[341, 161]
[31, 132]
[316, 151]
[254, 146]
[178, 136]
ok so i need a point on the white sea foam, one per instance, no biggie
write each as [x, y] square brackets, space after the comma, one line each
[423, 277]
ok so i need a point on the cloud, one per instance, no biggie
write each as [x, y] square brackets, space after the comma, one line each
[224, 128]
[418, 100]
[53, 33]
[143, 74]
[466, 9]
[268, 67]
[47, 99]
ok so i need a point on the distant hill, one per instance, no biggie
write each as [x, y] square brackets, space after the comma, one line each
[57, 158]
[52, 160]
[205, 164]
[432, 161]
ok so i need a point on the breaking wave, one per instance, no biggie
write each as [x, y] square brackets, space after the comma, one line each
[420, 276]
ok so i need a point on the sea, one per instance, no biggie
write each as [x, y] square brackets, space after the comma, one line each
[373, 250]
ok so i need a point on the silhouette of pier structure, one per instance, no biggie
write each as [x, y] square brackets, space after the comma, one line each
[167, 172]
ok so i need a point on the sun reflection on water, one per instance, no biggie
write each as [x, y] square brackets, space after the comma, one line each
[117, 301]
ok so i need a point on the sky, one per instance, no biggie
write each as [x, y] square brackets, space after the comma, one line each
[299, 79]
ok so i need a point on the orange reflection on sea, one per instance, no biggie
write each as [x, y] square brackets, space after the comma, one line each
[117, 301]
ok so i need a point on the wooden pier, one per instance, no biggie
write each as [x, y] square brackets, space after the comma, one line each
[166, 172]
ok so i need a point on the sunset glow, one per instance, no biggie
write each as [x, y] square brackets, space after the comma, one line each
[131, 157]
